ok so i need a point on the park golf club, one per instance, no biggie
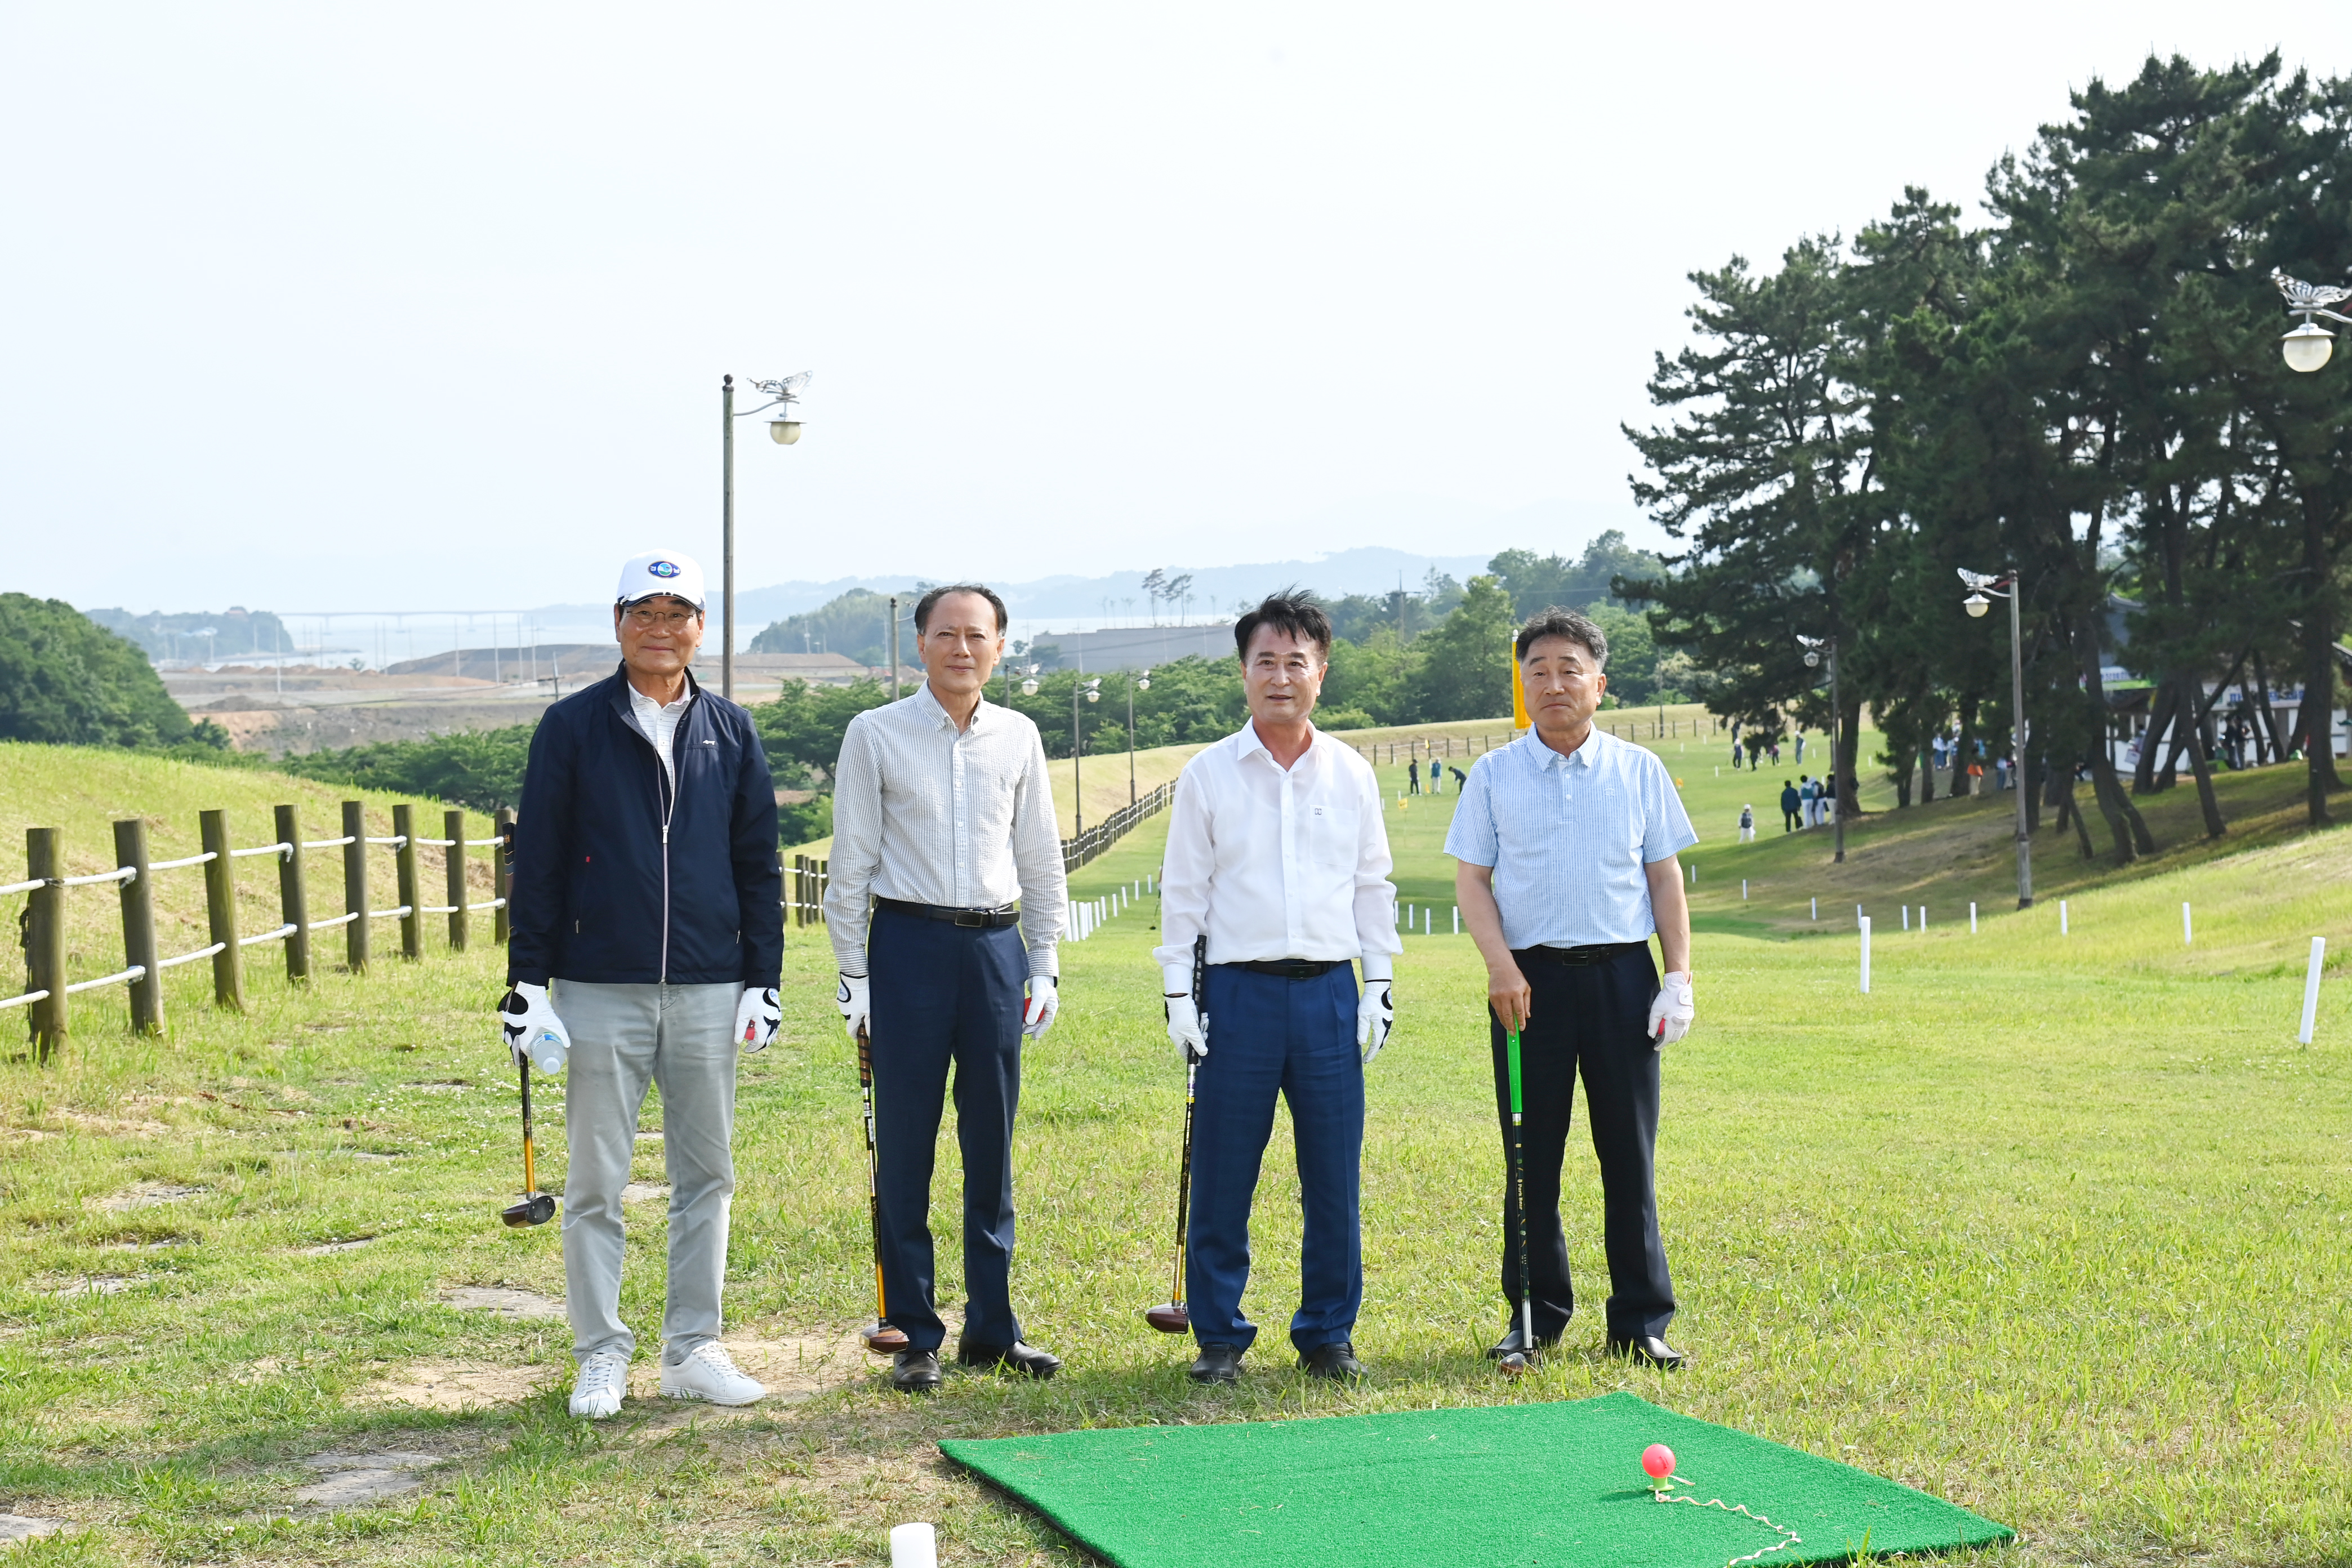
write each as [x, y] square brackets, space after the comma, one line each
[880, 1337]
[1171, 1316]
[1515, 1364]
[536, 1207]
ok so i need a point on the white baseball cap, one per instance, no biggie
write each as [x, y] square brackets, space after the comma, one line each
[660, 571]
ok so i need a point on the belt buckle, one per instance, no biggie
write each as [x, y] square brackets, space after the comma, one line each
[972, 919]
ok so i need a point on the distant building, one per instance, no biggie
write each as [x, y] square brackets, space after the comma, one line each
[593, 661]
[1131, 648]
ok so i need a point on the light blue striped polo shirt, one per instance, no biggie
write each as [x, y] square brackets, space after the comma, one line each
[1569, 837]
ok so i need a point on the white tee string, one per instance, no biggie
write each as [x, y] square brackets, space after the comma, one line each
[1789, 1537]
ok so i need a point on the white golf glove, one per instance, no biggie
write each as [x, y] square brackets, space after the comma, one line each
[857, 1008]
[1671, 1010]
[757, 1017]
[533, 1031]
[1044, 1001]
[1186, 1027]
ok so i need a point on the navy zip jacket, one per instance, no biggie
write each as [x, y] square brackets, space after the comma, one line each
[602, 894]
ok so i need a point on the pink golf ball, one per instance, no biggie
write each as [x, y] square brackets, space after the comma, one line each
[1658, 1460]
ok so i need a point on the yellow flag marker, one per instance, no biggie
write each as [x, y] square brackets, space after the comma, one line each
[1519, 699]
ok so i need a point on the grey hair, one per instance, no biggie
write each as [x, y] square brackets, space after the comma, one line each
[1556, 622]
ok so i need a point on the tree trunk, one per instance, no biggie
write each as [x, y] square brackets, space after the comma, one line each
[2160, 705]
[1965, 751]
[2206, 799]
[2131, 833]
[1926, 774]
[1843, 764]
[2318, 693]
[2268, 737]
[2071, 809]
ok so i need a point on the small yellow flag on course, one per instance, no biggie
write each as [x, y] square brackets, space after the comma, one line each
[1519, 699]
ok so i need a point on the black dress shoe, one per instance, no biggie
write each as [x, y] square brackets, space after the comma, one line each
[1515, 1343]
[915, 1371]
[1649, 1348]
[1335, 1361]
[1217, 1364]
[1026, 1359]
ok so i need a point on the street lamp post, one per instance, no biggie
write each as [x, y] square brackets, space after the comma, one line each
[1135, 684]
[1976, 604]
[783, 430]
[1816, 648]
[1092, 692]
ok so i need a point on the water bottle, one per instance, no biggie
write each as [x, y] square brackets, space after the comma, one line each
[546, 1051]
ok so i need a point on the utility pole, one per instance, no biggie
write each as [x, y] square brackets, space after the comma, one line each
[894, 647]
[727, 538]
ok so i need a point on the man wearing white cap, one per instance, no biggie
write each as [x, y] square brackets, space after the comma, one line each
[647, 890]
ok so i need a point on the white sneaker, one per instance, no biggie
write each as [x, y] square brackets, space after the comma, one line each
[709, 1374]
[604, 1379]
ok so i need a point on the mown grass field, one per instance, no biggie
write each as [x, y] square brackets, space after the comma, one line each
[2055, 1228]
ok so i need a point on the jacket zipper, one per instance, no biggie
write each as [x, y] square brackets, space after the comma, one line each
[669, 807]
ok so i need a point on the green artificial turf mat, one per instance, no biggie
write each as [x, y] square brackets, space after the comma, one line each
[1520, 1483]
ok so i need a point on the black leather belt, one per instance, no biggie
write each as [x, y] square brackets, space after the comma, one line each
[1581, 957]
[1292, 968]
[977, 919]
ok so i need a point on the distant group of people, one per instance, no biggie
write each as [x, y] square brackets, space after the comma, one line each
[1437, 772]
[1805, 801]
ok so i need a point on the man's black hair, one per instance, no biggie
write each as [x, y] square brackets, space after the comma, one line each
[1291, 610]
[923, 606]
[1556, 622]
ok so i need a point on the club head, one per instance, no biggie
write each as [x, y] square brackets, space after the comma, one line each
[536, 1209]
[1170, 1317]
[882, 1339]
[1513, 1365]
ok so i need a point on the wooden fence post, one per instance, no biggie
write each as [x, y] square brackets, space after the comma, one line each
[404, 864]
[220, 911]
[139, 926]
[293, 903]
[45, 941]
[355, 887]
[502, 874]
[453, 828]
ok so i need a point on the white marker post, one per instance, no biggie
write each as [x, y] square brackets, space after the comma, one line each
[1743, 890]
[2061, 917]
[2186, 930]
[1923, 918]
[1457, 920]
[1817, 908]
[914, 1546]
[1906, 917]
[1865, 955]
[1972, 920]
[2311, 988]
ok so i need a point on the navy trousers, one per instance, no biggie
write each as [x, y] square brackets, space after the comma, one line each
[1270, 1036]
[942, 994]
[1593, 1017]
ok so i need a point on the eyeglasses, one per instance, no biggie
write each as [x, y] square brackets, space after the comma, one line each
[661, 620]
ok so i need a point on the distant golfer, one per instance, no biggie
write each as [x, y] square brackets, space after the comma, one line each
[1568, 840]
[1277, 851]
[1747, 825]
[1791, 800]
[646, 888]
[943, 820]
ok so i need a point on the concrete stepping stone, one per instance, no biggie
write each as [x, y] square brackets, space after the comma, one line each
[17, 1527]
[505, 1302]
[348, 1480]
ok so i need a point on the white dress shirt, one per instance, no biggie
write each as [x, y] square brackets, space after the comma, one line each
[929, 814]
[1277, 862]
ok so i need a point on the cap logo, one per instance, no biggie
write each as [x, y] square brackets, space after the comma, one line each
[663, 569]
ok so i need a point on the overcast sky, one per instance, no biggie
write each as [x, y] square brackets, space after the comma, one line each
[343, 306]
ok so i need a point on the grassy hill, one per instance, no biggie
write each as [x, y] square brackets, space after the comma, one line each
[83, 791]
